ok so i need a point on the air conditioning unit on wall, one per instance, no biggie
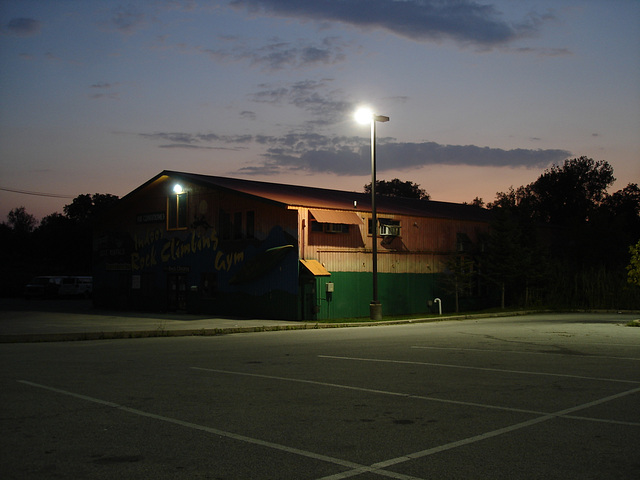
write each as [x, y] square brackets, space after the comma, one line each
[389, 230]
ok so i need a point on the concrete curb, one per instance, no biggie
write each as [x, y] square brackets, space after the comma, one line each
[204, 332]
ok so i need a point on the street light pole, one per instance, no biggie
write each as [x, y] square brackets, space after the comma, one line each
[375, 307]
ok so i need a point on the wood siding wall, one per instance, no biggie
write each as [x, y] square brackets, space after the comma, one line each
[422, 246]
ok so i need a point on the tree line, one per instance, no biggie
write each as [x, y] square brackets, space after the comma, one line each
[60, 244]
[561, 241]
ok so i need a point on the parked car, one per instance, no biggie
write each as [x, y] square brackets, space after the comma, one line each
[76, 287]
[43, 287]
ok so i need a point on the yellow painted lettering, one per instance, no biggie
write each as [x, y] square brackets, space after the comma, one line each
[166, 253]
[135, 258]
[219, 263]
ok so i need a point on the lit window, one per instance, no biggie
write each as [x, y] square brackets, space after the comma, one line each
[177, 211]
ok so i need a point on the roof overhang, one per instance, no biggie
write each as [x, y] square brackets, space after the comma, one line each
[315, 268]
[336, 216]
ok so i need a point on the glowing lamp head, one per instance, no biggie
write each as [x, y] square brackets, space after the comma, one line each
[364, 115]
[177, 189]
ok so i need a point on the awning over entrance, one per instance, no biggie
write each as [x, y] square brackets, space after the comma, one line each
[336, 216]
[315, 268]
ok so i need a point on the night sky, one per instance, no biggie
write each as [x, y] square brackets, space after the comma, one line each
[100, 96]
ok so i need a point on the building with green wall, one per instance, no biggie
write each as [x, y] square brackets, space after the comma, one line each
[206, 244]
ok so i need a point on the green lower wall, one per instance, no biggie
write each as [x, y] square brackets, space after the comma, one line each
[399, 293]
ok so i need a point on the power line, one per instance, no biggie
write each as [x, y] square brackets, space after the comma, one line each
[37, 194]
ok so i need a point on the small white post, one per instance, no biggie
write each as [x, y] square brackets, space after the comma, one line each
[439, 302]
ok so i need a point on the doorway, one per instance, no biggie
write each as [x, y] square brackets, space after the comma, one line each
[177, 292]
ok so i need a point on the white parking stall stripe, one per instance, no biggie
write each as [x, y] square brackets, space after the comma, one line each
[412, 396]
[373, 390]
[486, 369]
[355, 467]
[482, 436]
[523, 352]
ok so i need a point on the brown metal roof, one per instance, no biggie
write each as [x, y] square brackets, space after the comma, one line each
[321, 198]
[336, 216]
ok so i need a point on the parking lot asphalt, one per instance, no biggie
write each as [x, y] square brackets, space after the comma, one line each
[75, 319]
[551, 396]
[66, 319]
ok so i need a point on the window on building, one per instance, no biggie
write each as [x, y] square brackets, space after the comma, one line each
[224, 220]
[463, 242]
[177, 211]
[237, 225]
[250, 219]
[329, 227]
[336, 228]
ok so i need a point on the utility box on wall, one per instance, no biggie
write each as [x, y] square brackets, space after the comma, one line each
[329, 289]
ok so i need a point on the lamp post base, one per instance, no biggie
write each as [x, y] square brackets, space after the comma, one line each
[375, 311]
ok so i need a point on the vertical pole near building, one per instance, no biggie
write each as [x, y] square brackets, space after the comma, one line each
[375, 308]
[363, 116]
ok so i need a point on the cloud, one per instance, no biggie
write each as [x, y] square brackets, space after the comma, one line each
[126, 19]
[248, 115]
[540, 51]
[23, 27]
[350, 156]
[342, 155]
[109, 96]
[465, 21]
[104, 85]
[279, 54]
[313, 96]
[195, 140]
[104, 91]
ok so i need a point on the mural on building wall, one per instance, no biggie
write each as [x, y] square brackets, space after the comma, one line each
[260, 264]
[153, 248]
[238, 263]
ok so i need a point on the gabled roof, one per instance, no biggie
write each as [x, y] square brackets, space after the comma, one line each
[312, 197]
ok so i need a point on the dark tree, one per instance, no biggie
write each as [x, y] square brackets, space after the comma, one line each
[574, 236]
[82, 213]
[16, 254]
[460, 277]
[85, 208]
[398, 188]
[505, 254]
[570, 193]
[20, 221]
[477, 202]
[633, 269]
[56, 244]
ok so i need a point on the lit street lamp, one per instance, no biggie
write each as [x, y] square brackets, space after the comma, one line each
[365, 115]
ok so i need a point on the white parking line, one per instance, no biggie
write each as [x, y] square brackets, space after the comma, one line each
[373, 390]
[485, 369]
[412, 396]
[523, 352]
[482, 436]
[355, 467]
